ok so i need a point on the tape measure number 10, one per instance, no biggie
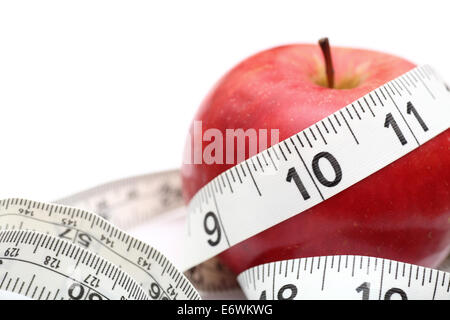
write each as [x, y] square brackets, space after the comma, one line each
[312, 166]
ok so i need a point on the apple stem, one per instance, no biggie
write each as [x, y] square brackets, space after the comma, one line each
[325, 46]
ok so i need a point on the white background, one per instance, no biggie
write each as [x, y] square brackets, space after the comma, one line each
[92, 91]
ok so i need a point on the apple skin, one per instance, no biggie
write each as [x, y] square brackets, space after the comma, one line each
[400, 212]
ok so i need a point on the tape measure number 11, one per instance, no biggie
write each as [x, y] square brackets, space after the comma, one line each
[309, 168]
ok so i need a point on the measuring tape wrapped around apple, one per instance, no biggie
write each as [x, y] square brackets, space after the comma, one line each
[64, 251]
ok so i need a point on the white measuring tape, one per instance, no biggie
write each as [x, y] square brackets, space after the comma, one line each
[344, 277]
[258, 193]
[399, 116]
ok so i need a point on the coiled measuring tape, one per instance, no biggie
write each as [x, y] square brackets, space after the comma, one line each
[404, 113]
[152, 270]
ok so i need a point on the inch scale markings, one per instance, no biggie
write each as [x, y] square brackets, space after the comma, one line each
[361, 278]
[377, 135]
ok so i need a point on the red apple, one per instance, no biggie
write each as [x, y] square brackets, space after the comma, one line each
[401, 212]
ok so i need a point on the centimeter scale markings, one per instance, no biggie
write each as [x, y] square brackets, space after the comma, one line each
[132, 201]
[344, 277]
[41, 266]
[153, 271]
[317, 163]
